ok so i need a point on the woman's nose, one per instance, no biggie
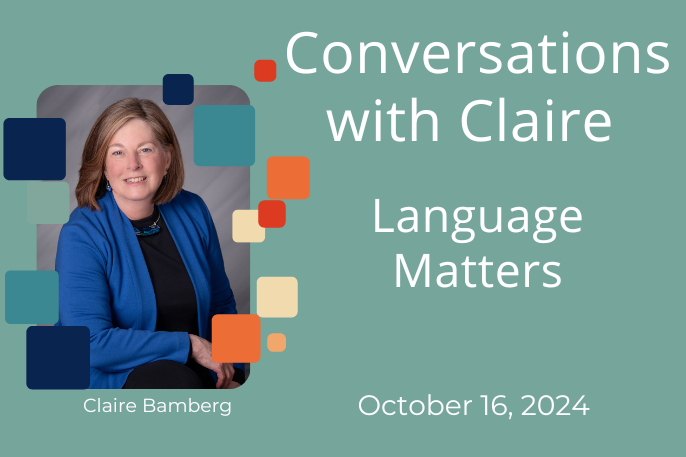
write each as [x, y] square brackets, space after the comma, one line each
[134, 162]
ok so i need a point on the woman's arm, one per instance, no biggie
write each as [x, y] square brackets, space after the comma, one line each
[223, 301]
[84, 299]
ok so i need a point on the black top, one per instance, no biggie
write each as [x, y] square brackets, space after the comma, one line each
[177, 308]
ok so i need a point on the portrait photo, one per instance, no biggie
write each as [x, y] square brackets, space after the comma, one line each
[147, 258]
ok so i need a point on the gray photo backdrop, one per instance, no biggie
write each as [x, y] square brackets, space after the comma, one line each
[224, 189]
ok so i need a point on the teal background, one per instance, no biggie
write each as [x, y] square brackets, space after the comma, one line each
[612, 331]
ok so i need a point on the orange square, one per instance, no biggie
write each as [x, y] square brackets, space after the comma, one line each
[288, 178]
[236, 338]
[276, 342]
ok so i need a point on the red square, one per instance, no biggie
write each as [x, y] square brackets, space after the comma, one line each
[271, 214]
[265, 71]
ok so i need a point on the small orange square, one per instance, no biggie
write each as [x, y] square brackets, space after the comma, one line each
[276, 342]
[288, 178]
[236, 338]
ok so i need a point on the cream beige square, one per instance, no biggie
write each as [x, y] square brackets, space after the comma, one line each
[246, 228]
[277, 297]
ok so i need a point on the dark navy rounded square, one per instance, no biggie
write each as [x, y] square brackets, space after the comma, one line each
[177, 89]
[35, 149]
[57, 357]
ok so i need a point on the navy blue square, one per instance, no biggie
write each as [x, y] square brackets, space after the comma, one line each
[177, 89]
[35, 149]
[57, 357]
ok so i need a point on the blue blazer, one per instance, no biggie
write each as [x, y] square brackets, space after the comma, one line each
[104, 285]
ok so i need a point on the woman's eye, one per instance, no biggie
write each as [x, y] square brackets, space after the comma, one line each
[117, 153]
[146, 150]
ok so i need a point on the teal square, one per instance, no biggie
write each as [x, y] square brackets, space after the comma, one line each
[47, 202]
[224, 135]
[31, 297]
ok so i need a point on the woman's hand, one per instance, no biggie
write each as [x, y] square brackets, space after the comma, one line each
[201, 352]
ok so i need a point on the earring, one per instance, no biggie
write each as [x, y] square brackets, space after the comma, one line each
[109, 188]
[165, 176]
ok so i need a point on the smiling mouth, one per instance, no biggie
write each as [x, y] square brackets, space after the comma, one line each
[139, 179]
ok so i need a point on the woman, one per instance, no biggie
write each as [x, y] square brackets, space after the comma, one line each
[139, 261]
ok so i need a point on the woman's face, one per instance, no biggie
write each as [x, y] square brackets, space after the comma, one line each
[135, 165]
